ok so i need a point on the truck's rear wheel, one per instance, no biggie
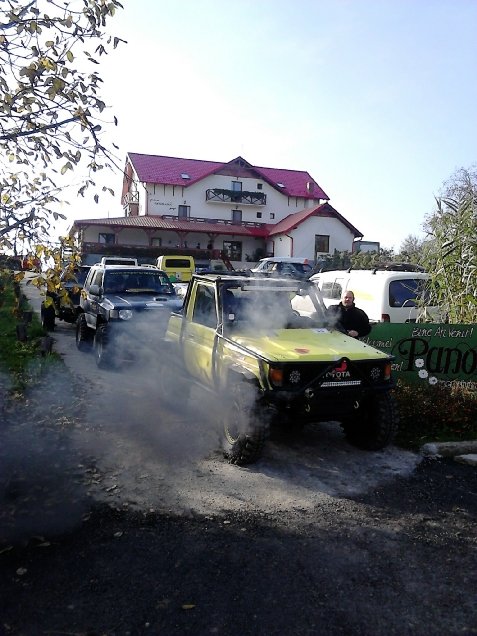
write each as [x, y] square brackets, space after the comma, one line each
[375, 426]
[245, 432]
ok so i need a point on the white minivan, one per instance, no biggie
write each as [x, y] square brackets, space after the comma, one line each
[385, 295]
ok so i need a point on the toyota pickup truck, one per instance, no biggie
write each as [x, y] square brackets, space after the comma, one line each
[238, 337]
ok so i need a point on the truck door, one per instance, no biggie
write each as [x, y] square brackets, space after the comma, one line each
[199, 334]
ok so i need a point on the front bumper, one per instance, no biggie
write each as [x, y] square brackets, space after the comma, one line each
[325, 397]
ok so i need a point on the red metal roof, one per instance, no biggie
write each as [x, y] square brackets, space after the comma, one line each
[295, 219]
[157, 222]
[168, 170]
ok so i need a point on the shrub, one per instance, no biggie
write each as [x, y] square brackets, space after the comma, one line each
[436, 413]
[16, 357]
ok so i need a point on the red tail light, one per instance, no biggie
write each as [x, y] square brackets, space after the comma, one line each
[385, 318]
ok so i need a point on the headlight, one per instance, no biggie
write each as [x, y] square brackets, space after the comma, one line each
[125, 314]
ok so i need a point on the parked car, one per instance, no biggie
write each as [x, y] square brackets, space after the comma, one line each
[283, 266]
[64, 302]
[120, 305]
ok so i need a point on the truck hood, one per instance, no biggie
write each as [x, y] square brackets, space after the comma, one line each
[144, 301]
[306, 345]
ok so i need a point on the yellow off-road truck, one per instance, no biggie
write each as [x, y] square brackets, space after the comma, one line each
[238, 337]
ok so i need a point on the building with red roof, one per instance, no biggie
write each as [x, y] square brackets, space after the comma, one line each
[208, 208]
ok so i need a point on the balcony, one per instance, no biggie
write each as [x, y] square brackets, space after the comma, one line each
[243, 197]
[131, 197]
[200, 219]
[131, 203]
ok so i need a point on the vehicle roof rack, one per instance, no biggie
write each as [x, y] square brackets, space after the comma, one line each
[398, 267]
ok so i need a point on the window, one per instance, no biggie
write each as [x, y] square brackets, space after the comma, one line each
[156, 242]
[236, 191]
[233, 250]
[106, 238]
[259, 215]
[184, 211]
[237, 216]
[332, 290]
[322, 243]
[407, 292]
[204, 308]
[259, 186]
[98, 278]
[272, 215]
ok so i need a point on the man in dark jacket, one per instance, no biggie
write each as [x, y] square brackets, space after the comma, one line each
[353, 320]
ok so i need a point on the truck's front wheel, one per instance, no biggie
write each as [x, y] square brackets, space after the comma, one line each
[245, 431]
[374, 427]
[102, 347]
[84, 335]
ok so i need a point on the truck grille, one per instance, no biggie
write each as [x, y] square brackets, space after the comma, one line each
[344, 374]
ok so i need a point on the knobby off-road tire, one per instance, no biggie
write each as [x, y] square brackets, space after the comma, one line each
[102, 348]
[376, 426]
[47, 315]
[84, 335]
[245, 426]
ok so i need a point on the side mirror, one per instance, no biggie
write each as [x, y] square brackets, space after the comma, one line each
[96, 290]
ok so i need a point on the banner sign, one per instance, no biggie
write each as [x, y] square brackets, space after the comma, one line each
[433, 353]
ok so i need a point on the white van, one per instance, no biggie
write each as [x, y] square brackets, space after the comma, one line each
[118, 260]
[385, 295]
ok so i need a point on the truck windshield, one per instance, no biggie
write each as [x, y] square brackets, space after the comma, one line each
[262, 307]
[124, 281]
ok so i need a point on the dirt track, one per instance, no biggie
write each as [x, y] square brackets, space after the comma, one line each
[120, 513]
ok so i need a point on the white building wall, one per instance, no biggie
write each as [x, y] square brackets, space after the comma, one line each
[91, 233]
[166, 200]
[341, 238]
[128, 236]
[133, 236]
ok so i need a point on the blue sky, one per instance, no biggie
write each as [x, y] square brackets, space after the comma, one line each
[375, 99]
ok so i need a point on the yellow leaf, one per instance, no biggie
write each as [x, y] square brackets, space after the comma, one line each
[70, 56]
[187, 607]
[49, 302]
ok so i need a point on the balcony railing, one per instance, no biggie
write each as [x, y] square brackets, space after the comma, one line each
[131, 197]
[243, 197]
[201, 219]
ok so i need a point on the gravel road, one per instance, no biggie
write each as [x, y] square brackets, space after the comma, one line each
[120, 516]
